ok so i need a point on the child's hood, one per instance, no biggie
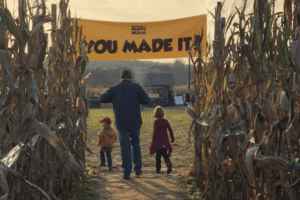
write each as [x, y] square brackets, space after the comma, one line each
[109, 131]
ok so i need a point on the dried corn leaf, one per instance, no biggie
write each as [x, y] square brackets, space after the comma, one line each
[232, 142]
[39, 25]
[255, 71]
[10, 23]
[271, 111]
[57, 143]
[32, 85]
[295, 54]
[83, 144]
[217, 141]
[215, 124]
[292, 132]
[272, 161]
[41, 57]
[282, 50]
[29, 113]
[281, 181]
[5, 113]
[209, 98]
[6, 66]
[259, 128]
[285, 104]
[288, 11]
[3, 183]
[284, 82]
[84, 63]
[249, 160]
[296, 184]
[18, 176]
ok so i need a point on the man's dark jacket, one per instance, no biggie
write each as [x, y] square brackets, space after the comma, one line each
[126, 98]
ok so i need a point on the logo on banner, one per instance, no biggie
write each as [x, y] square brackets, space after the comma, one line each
[138, 30]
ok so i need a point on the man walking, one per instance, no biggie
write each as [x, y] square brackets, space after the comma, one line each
[126, 98]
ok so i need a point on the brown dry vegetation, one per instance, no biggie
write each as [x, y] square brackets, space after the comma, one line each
[43, 101]
[262, 54]
[179, 90]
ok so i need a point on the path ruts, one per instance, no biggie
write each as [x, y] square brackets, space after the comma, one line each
[149, 185]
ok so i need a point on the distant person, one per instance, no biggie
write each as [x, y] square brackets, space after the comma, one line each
[187, 97]
[160, 140]
[171, 97]
[193, 98]
[106, 139]
[126, 98]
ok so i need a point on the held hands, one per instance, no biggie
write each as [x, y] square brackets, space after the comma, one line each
[150, 148]
[172, 140]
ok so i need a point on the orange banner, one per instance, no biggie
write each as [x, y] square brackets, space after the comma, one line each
[162, 39]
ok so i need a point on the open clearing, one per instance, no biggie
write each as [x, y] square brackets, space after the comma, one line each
[149, 185]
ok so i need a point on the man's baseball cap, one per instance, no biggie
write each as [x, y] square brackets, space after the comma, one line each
[106, 120]
[126, 73]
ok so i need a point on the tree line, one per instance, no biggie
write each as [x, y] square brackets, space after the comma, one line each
[107, 73]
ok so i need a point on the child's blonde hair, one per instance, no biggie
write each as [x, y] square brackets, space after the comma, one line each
[159, 112]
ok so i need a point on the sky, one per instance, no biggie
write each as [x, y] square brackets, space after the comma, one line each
[144, 11]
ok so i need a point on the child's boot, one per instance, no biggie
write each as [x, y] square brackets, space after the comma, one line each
[101, 165]
[169, 165]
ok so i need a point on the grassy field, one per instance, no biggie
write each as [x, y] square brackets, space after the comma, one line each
[177, 116]
[183, 153]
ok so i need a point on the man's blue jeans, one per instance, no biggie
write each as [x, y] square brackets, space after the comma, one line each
[128, 138]
[108, 155]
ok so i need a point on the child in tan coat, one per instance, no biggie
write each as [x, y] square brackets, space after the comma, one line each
[106, 139]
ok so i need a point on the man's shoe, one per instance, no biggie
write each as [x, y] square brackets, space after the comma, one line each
[139, 173]
[169, 168]
[101, 165]
[126, 178]
[109, 167]
[157, 172]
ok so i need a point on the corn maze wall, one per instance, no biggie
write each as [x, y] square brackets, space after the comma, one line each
[246, 118]
[43, 105]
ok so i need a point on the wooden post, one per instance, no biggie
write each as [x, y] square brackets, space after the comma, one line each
[53, 12]
[43, 8]
[218, 52]
[52, 72]
[217, 23]
[189, 74]
[22, 16]
[217, 37]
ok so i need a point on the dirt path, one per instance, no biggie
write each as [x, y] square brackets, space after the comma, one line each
[149, 185]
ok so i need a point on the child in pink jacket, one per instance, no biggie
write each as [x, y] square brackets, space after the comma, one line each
[160, 141]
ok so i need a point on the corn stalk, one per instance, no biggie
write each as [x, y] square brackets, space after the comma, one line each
[43, 105]
[246, 116]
